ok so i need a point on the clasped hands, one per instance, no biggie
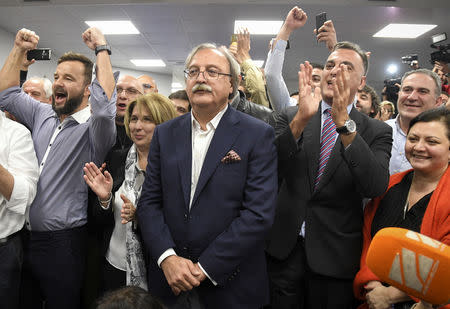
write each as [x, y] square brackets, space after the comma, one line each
[182, 274]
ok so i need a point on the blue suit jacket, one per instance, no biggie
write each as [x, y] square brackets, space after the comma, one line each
[232, 209]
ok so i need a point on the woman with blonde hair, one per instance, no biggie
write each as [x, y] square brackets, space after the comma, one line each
[123, 263]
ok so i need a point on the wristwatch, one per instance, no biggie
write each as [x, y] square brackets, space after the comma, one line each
[99, 48]
[349, 127]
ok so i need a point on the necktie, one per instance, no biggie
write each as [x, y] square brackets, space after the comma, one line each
[326, 144]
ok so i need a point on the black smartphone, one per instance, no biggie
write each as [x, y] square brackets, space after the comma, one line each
[39, 54]
[321, 18]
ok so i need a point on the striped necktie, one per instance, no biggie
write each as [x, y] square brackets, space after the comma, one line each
[326, 144]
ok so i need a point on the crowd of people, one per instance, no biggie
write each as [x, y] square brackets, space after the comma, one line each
[231, 193]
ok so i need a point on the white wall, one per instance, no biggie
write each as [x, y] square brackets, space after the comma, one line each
[47, 68]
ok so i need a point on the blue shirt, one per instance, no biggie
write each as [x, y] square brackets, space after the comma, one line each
[398, 162]
[61, 198]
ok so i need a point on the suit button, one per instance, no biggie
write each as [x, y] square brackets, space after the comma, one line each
[185, 216]
[185, 248]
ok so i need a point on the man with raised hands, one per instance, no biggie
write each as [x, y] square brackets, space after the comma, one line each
[78, 127]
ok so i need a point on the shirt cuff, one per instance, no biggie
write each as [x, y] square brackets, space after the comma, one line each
[166, 254]
[281, 45]
[21, 196]
[204, 271]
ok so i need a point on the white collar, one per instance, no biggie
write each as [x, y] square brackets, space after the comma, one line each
[82, 115]
[213, 122]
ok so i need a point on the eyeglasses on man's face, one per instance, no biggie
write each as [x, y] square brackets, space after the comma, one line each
[128, 91]
[193, 73]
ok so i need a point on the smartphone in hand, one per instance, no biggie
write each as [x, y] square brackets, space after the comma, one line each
[321, 18]
[39, 54]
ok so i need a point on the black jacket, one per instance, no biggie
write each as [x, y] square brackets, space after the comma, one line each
[258, 111]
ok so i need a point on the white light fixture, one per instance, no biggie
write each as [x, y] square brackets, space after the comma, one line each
[392, 69]
[258, 26]
[148, 62]
[114, 26]
[403, 31]
[258, 63]
[177, 85]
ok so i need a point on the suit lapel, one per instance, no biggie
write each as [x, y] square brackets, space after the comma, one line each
[226, 133]
[182, 136]
[311, 137]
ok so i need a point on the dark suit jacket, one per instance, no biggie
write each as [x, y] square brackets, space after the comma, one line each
[231, 213]
[333, 212]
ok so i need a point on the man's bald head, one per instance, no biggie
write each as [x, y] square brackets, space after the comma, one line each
[148, 83]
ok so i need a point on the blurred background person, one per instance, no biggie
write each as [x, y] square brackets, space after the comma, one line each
[367, 101]
[148, 83]
[181, 102]
[386, 111]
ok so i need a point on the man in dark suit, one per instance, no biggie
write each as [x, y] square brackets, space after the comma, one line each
[208, 199]
[330, 157]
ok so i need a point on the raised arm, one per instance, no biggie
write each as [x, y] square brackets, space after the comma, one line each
[93, 37]
[276, 87]
[10, 74]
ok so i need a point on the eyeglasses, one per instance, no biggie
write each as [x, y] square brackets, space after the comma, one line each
[129, 91]
[207, 74]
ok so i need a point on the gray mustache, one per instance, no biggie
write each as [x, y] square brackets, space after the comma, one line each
[201, 87]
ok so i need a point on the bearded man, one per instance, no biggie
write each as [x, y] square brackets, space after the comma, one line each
[72, 131]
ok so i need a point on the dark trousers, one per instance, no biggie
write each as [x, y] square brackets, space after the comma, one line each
[112, 278]
[293, 285]
[11, 256]
[53, 268]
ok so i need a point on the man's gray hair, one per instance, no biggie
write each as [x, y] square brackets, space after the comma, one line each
[235, 69]
[356, 48]
[46, 84]
[434, 76]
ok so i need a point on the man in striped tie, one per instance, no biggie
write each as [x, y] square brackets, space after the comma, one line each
[331, 156]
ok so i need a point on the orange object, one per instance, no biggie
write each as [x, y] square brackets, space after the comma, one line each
[412, 262]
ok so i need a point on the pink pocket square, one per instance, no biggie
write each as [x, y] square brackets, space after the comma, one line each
[231, 157]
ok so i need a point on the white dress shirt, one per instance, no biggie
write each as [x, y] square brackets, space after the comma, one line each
[200, 144]
[276, 87]
[18, 157]
[398, 162]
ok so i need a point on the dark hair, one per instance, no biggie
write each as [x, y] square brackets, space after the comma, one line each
[130, 297]
[374, 97]
[180, 95]
[294, 93]
[355, 47]
[440, 114]
[316, 65]
[88, 65]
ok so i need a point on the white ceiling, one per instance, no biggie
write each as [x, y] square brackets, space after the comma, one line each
[169, 29]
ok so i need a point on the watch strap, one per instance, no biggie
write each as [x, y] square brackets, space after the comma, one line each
[100, 48]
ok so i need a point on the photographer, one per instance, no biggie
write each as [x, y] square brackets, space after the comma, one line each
[442, 70]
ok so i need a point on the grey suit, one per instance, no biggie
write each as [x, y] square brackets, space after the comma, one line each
[333, 213]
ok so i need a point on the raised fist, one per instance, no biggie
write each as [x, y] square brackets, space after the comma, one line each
[26, 39]
[93, 37]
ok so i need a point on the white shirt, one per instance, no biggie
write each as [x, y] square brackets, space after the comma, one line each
[398, 162]
[200, 144]
[276, 87]
[18, 157]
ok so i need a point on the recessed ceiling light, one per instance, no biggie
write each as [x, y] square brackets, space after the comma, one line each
[258, 26]
[114, 26]
[258, 63]
[148, 62]
[403, 31]
[177, 85]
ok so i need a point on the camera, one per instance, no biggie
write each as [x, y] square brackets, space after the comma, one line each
[410, 58]
[443, 51]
